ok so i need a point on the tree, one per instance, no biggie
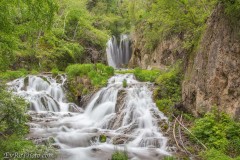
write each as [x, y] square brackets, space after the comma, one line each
[21, 19]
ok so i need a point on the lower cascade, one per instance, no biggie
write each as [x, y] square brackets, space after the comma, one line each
[127, 117]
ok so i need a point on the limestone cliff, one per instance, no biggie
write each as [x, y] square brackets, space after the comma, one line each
[214, 76]
[165, 54]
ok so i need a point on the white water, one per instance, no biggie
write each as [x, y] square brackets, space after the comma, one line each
[118, 55]
[132, 124]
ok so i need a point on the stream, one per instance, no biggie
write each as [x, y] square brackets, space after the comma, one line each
[128, 118]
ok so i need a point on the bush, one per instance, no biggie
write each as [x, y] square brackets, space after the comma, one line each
[124, 83]
[97, 73]
[169, 89]
[11, 75]
[169, 158]
[13, 126]
[118, 155]
[95, 76]
[55, 72]
[12, 112]
[102, 138]
[217, 130]
[165, 105]
[213, 154]
[146, 75]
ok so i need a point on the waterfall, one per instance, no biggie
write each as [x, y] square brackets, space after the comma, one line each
[128, 117]
[44, 93]
[118, 55]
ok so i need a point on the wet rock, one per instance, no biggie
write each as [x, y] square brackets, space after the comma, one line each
[26, 83]
[56, 146]
[96, 149]
[74, 108]
[120, 100]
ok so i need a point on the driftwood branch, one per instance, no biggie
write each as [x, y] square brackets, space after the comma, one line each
[180, 137]
[176, 119]
[174, 134]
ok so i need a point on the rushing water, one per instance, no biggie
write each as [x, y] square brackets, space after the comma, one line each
[126, 116]
[118, 55]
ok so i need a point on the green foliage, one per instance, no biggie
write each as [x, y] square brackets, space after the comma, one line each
[13, 126]
[169, 89]
[124, 83]
[109, 15]
[232, 8]
[96, 74]
[20, 19]
[55, 71]
[33, 72]
[11, 75]
[161, 19]
[103, 138]
[18, 144]
[124, 71]
[146, 75]
[12, 114]
[214, 154]
[169, 158]
[217, 130]
[118, 155]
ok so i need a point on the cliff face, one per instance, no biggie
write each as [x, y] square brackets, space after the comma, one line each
[166, 53]
[214, 76]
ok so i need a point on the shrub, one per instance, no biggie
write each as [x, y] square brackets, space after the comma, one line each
[103, 138]
[213, 154]
[169, 89]
[97, 73]
[217, 130]
[13, 126]
[124, 83]
[118, 155]
[11, 75]
[146, 75]
[96, 76]
[169, 158]
[165, 105]
[55, 72]
[12, 111]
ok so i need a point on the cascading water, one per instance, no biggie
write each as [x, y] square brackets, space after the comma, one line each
[118, 55]
[126, 116]
[44, 93]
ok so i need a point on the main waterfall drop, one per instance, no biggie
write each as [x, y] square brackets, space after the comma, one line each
[119, 55]
[128, 118]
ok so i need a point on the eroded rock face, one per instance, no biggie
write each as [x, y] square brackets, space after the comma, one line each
[214, 76]
[166, 53]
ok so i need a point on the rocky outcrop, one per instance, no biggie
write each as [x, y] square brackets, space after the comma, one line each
[214, 76]
[166, 53]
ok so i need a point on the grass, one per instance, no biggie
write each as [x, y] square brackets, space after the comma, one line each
[119, 155]
[11, 75]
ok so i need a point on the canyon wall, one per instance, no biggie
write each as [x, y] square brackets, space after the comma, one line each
[165, 54]
[212, 73]
[214, 76]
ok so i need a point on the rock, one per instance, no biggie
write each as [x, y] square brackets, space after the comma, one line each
[96, 149]
[120, 100]
[26, 83]
[120, 139]
[214, 76]
[56, 146]
[165, 54]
